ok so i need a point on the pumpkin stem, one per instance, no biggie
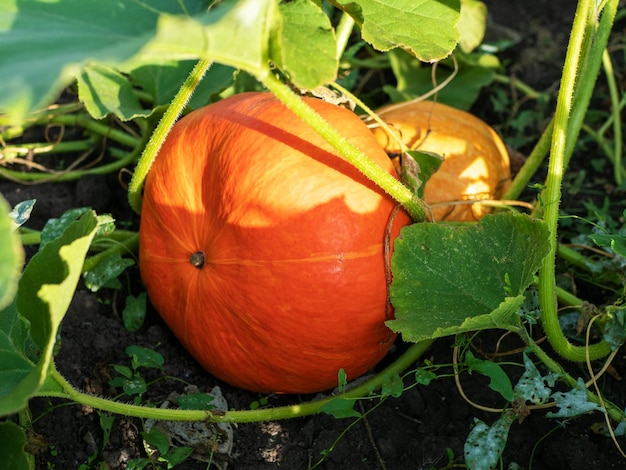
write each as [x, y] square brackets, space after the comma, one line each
[197, 259]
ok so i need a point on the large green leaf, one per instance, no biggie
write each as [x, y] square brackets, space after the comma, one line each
[453, 278]
[12, 442]
[306, 28]
[11, 256]
[426, 28]
[472, 24]
[44, 45]
[15, 363]
[44, 294]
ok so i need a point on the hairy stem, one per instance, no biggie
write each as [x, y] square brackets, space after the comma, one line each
[562, 142]
[402, 194]
[343, 32]
[243, 416]
[531, 165]
[162, 130]
[618, 169]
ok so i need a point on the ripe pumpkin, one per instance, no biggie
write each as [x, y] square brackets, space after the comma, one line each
[476, 163]
[263, 250]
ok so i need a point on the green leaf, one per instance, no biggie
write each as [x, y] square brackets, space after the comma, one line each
[44, 45]
[424, 377]
[45, 291]
[341, 407]
[11, 256]
[134, 386]
[532, 386]
[415, 79]
[499, 382]
[12, 442]
[342, 380]
[196, 401]
[135, 311]
[105, 273]
[162, 80]
[21, 212]
[450, 278]
[615, 242]
[392, 386]
[157, 439]
[308, 52]
[106, 424]
[426, 28]
[55, 227]
[472, 24]
[417, 168]
[573, 403]
[176, 456]
[106, 91]
[15, 363]
[614, 329]
[145, 357]
[484, 444]
[48, 283]
[124, 371]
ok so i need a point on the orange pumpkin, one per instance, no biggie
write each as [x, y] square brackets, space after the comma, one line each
[263, 250]
[476, 163]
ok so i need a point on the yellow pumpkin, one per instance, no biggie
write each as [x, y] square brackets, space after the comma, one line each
[476, 163]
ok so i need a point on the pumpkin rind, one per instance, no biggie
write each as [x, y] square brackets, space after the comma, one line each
[292, 286]
[476, 163]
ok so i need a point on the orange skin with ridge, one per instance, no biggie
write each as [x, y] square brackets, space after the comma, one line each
[294, 281]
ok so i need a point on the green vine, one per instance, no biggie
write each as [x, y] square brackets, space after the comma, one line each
[563, 137]
[61, 388]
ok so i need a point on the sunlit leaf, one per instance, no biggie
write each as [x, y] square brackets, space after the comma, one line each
[11, 256]
[308, 50]
[44, 45]
[45, 291]
[426, 28]
[472, 24]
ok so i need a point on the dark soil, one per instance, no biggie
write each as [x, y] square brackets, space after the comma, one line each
[425, 427]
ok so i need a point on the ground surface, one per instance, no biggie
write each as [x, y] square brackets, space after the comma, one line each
[410, 432]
